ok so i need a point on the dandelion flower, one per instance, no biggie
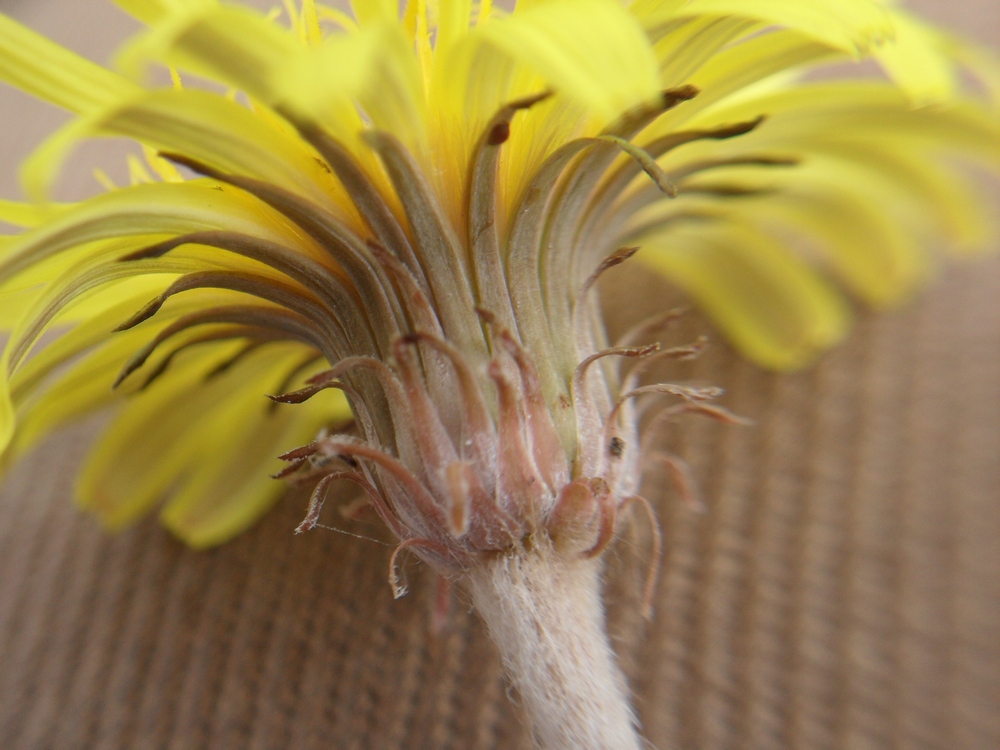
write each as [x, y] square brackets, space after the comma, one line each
[393, 223]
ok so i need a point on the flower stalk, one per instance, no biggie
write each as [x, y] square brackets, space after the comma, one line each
[544, 611]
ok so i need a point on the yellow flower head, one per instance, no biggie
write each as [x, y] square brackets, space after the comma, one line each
[395, 221]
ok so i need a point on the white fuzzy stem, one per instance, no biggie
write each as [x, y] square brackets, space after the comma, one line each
[544, 611]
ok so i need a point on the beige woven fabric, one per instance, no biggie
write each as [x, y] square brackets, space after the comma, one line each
[842, 591]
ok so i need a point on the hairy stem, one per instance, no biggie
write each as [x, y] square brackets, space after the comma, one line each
[544, 611]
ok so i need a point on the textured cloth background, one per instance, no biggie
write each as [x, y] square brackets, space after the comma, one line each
[843, 591]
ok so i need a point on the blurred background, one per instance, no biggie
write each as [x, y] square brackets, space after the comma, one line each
[842, 591]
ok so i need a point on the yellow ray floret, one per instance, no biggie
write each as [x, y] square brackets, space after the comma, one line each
[421, 199]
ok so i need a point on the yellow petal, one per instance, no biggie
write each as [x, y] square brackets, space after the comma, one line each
[82, 389]
[41, 169]
[770, 304]
[867, 108]
[592, 51]
[215, 441]
[51, 72]
[737, 73]
[163, 168]
[375, 68]
[12, 305]
[375, 11]
[225, 498]
[230, 492]
[311, 31]
[214, 130]
[850, 25]
[857, 237]
[151, 11]
[8, 421]
[43, 402]
[338, 17]
[683, 48]
[244, 50]
[230, 44]
[145, 210]
[111, 351]
[29, 214]
[454, 17]
[979, 62]
[917, 60]
[148, 445]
